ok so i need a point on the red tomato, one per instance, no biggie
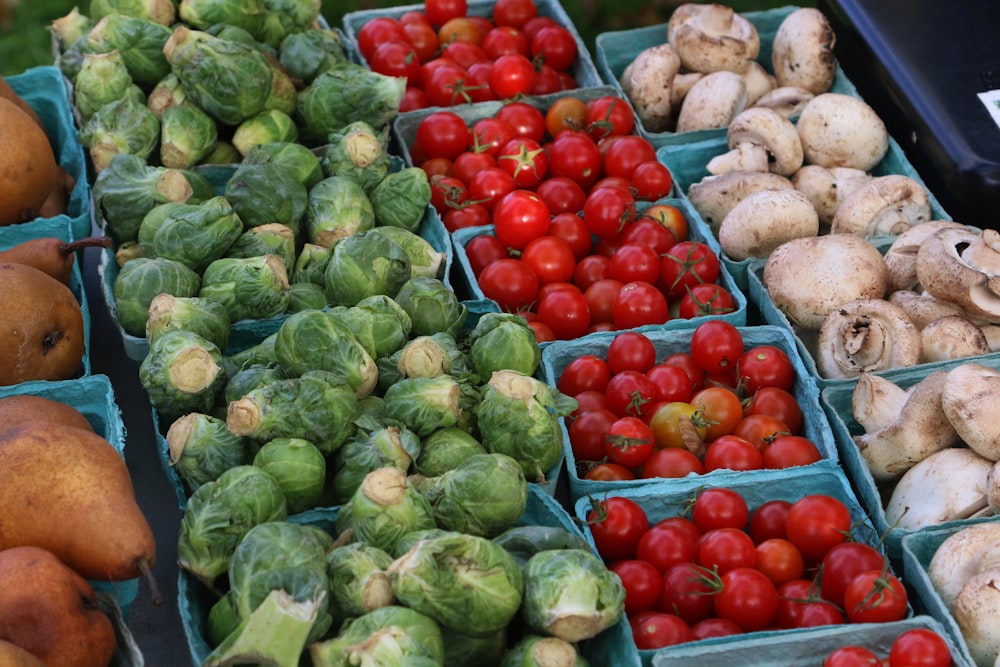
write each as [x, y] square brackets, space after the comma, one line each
[413, 98]
[547, 81]
[526, 120]
[586, 401]
[397, 58]
[686, 264]
[465, 54]
[725, 549]
[639, 303]
[777, 403]
[554, 46]
[669, 217]
[842, 563]
[816, 523]
[551, 258]
[780, 560]
[721, 407]
[642, 583]
[490, 134]
[563, 195]
[609, 115]
[504, 39]
[512, 74]
[570, 228]
[377, 31]
[587, 372]
[543, 332]
[574, 155]
[586, 434]
[633, 262]
[626, 153]
[875, 596]
[800, 606]
[442, 134]
[510, 283]
[422, 37]
[616, 524]
[600, 298]
[448, 84]
[465, 216]
[628, 442]
[630, 351]
[747, 597]
[536, 23]
[854, 656]
[768, 520]
[440, 12]
[482, 250]
[731, 452]
[519, 217]
[565, 312]
[787, 451]
[652, 630]
[672, 462]
[686, 592]
[705, 300]
[766, 366]
[715, 627]
[609, 472]
[629, 393]
[919, 647]
[488, 186]
[716, 345]
[670, 383]
[447, 192]
[649, 233]
[468, 163]
[525, 160]
[719, 507]
[609, 211]
[685, 361]
[651, 180]
[760, 429]
[590, 269]
[514, 12]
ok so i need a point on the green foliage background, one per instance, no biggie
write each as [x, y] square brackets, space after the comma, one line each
[25, 42]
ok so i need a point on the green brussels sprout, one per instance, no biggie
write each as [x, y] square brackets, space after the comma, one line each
[139, 40]
[222, 620]
[445, 449]
[424, 405]
[432, 305]
[298, 466]
[235, 33]
[266, 193]
[222, 153]
[245, 380]
[424, 259]
[305, 296]
[229, 80]
[161, 11]
[461, 650]
[128, 251]
[250, 288]
[182, 373]
[71, 58]
[272, 238]
[220, 513]
[358, 152]
[464, 582]
[344, 93]
[204, 317]
[283, 95]
[363, 265]
[518, 415]
[313, 339]
[307, 54]
[123, 126]
[201, 448]
[264, 127]
[571, 594]
[377, 322]
[369, 450]
[69, 28]
[284, 17]
[203, 14]
[310, 265]
[337, 208]
[539, 651]
[316, 406]
[358, 582]
[371, 407]
[196, 235]
[166, 94]
[259, 354]
[187, 135]
[503, 341]
[138, 283]
[526, 541]
[389, 635]
[102, 79]
[200, 184]
[129, 188]
[385, 507]
[406, 542]
[401, 199]
[429, 356]
[294, 155]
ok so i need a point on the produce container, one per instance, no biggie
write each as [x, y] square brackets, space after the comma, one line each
[662, 499]
[614, 646]
[557, 355]
[614, 51]
[43, 88]
[127, 652]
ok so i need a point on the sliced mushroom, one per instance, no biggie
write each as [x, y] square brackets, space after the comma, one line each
[838, 130]
[886, 205]
[963, 267]
[952, 337]
[713, 102]
[760, 139]
[712, 38]
[764, 220]
[786, 100]
[901, 257]
[714, 196]
[866, 335]
[828, 188]
[648, 82]
[922, 308]
[802, 54]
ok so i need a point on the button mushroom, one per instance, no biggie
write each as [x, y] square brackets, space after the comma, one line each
[885, 206]
[802, 51]
[838, 130]
[961, 556]
[866, 335]
[952, 337]
[713, 102]
[758, 80]
[963, 267]
[764, 220]
[712, 38]
[714, 196]
[828, 188]
[969, 400]
[921, 308]
[760, 139]
[786, 100]
[901, 257]
[648, 81]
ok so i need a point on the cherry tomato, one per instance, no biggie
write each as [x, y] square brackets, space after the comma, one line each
[590, 269]
[609, 472]
[469, 162]
[575, 156]
[600, 297]
[875, 596]
[674, 423]
[760, 429]
[512, 74]
[787, 451]
[570, 228]
[440, 12]
[629, 393]
[519, 217]
[397, 58]
[609, 115]
[670, 383]
[686, 592]
[543, 332]
[461, 29]
[626, 153]
[716, 345]
[731, 452]
[377, 31]
[714, 627]
[768, 520]
[777, 403]
[609, 211]
[671, 462]
[780, 560]
[853, 656]
[651, 180]
[721, 408]
[919, 647]
[628, 442]
[766, 366]
[509, 282]
[465, 216]
[482, 250]
[719, 507]
[642, 582]
[630, 350]
[586, 401]
[525, 160]
[649, 233]
[669, 217]
[491, 134]
[564, 195]
[566, 113]
[616, 525]
[422, 36]
[504, 39]
[747, 597]
[554, 46]
[465, 54]
[551, 258]
[526, 120]
[724, 549]
[488, 186]
[536, 23]
[686, 264]
[705, 300]
[447, 192]
[633, 262]
[639, 303]
[565, 312]
[448, 83]
[686, 362]
[816, 523]
[514, 12]
[800, 606]
[652, 630]
[842, 563]
[586, 434]
[587, 372]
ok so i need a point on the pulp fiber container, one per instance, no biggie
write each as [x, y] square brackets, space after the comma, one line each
[662, 499]
[614, 646]
[127, 652]
[43, 88]
[874, 495]
[558, 354]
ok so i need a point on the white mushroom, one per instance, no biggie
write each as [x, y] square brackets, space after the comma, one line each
[901, 257]
[839, 130]
[866, 335]
[963, 555]
[876, 401]
[648, 82]
[682, 84]
[714, 196]
[713, 102]
[828, 188]
[952, 337]
[786, 100]
[922, 309]
[758, 80]
[807, 278]
[962, 266]
[969, 400]
[802, 52]
[712, 38]
[976, 610]
[764, 220]
[760, 139]
[886, 205]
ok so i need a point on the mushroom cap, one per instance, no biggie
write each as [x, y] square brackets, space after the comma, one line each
[682, 84]
[802, 52]
[648, 81]
[901, 257]
[975, 610]
[963, 267]
[961, 556]
[764, 220]
[839, 130]
[807, 278]
[713, 101]
[866, 335]
[885, 206]
[923, 309]
[786, 100]
[759, 81]
[712, 38]
[827, 188]
[714, 196]
[952, 337]
[768, 130]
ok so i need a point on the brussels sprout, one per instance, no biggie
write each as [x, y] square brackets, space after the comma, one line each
[250, 288]
[372, 448]
[272, 238]
[358, 582]
[187, 135]
[519, 416]
[310, 265]
[195, 235]
[283, 17]
[293, 155]
[128, 251]
[223, 153]
[261, 354]
[526, 541]
[424, 259]
[539, 651]
[229, 80]
[235, 33]
[389, 635]
[305, 296]
[371, 407]
[161, 11]
[102, 79]
[313, 339]
[222, 620]
[202, 448]
[202, 188]
[166, 94]
[358, 152]
[123, 126]
[347, 92]
[377, 322]
[432, 306]
[571, 594]
[503, 341]
[266, 193]
[464, 582]
[307, 54]
[316, 406]
[401, 199]
[69, 28]
[407, 542]
[203, 14]
[445, 449]
[129, 188]
[140, 281]
[424, 405]
[461, 650]
[429, 356]
[283, 95]
[72, 57]
[264, 127]
[245, 380]
[182, 373]
[337, 208]
[363, 265]
[385, 507]
[298, 466]
[220, 513]
[204, 317]
[139, 40]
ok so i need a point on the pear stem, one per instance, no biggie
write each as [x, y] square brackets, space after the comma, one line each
[147, 573]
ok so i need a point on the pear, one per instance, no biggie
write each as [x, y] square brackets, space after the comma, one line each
[12, 655]
[51, 611]
[51, 254]
[68, 490]
[18, 408]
